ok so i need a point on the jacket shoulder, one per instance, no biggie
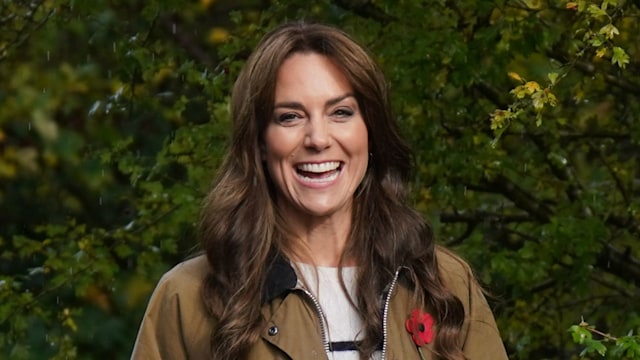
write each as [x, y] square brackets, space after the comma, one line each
[186, 277]
[480, 336]
[455, 271]
[176, 324]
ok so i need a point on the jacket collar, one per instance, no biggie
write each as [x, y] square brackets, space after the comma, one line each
[280, 279]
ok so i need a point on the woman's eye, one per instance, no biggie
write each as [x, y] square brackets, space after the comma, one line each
[341, 113]
[287, 117]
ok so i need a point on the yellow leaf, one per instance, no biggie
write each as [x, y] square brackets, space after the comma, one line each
[572, 5]
[520, 91]
[206, 3]
[44, 125]
[601, 52]
[7, 169]
[71, 324]
[532, 87]
[538, 101]
[515, 76]
[218, 35]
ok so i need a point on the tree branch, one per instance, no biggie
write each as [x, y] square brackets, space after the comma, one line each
[366, 9]
[520, 197]
[186, 41]
[589, 69]
[620, 263]
[564, 173]
[23, 33]
[484, 216]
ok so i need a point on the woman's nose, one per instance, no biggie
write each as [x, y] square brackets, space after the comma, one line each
[317, 136]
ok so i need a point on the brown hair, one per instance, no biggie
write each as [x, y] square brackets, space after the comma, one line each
[240, 228]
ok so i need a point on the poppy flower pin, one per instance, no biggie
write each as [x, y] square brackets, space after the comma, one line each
[420, 326]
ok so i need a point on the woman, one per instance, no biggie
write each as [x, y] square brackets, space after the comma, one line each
[311, 251]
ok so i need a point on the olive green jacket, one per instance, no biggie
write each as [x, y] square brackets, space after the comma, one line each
[177, 326]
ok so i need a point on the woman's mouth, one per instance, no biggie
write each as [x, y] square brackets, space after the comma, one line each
[319, 172]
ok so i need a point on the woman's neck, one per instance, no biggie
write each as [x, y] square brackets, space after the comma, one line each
[323, 239]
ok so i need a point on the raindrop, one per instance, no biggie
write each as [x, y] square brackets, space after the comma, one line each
[29, 125]
[109, 74]
[102, 172]
[525, 167]
[114, 46]
[129, 226]
[70, 271]
[465, 191]
[174, 28]
[100, 201]
[204, 73]
[94, 108]
[36, 270]
[48, 55]
[117, 94]
[58, 300]
[44, 91]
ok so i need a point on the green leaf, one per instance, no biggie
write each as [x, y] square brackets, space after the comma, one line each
[609, 30]
[596, 11]
[619, 57]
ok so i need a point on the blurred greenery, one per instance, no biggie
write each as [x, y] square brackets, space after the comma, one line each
[523, 115]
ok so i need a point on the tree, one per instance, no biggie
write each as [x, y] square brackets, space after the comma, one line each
[523, 115]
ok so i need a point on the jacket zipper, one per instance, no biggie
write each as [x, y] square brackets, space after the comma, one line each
[385, 313]
[323, 325]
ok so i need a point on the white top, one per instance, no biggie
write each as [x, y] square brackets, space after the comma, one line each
[344, 322]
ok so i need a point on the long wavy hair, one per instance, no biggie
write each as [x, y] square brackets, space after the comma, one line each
[241, 230]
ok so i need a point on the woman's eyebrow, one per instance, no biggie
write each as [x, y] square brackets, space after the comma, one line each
[338, 99]
[289, 105]
[299, 106]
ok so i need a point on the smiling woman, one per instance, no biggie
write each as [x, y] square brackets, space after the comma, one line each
[316, 151]
[310, 248]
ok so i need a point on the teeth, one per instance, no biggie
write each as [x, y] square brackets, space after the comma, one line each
[319, 168]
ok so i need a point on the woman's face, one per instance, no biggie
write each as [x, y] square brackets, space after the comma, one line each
[316, 144]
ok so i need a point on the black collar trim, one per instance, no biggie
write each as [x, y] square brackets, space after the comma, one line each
[280, 279]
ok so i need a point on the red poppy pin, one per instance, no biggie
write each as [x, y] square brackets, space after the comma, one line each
[420, 326]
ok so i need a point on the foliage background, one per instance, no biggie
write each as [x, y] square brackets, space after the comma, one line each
[523, 115]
